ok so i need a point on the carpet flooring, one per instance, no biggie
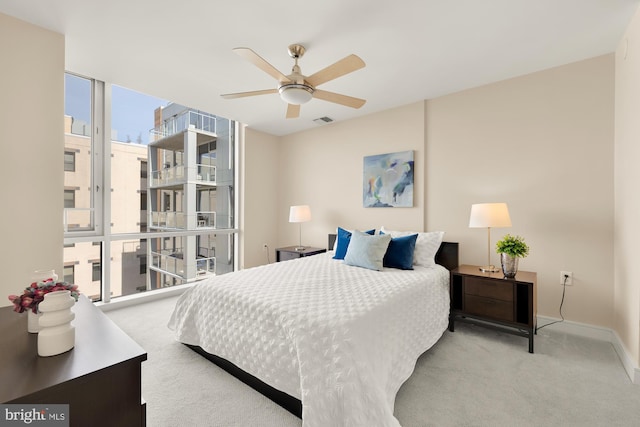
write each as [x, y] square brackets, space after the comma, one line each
[472, 377]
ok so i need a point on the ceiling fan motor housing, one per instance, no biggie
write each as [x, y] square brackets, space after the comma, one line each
[296, 51]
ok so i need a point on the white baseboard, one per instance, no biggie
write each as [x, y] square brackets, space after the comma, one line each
[599, 333]
[632, 369]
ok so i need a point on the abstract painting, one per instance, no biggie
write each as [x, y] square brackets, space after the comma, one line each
[388, 180]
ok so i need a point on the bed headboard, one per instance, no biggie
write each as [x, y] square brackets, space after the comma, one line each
[447, 255]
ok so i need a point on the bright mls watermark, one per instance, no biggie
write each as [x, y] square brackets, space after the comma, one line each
[34, 415]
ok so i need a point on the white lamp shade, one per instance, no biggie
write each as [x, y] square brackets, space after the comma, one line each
[300, 213]
[489, 215]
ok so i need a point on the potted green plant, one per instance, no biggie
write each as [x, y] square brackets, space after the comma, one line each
[511, 248]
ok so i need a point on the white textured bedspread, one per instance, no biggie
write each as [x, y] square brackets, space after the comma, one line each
[342, 339]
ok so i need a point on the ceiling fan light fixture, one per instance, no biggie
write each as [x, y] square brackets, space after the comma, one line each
[295, 93]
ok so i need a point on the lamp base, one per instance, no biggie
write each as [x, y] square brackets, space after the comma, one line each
[300, 248]
[489, 269]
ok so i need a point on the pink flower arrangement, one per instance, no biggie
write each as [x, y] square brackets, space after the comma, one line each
[34, 294]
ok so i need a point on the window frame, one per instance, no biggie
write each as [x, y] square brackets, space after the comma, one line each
[98, 122]
[101, 233]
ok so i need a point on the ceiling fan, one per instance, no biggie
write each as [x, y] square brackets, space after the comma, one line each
[297, 89]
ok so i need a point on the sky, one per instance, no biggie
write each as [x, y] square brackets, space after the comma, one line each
[131, 111]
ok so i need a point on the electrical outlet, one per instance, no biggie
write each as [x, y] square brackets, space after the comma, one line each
[569, 276]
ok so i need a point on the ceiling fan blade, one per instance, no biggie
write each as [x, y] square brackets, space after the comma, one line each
[252, 93]
[345, 66]
[293, 111]
[337, 98]
[259, 62]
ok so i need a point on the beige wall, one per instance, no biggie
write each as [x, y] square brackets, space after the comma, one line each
[31, 121]
[259, 198]
[627, 199]
[542, 143]
[323, 168]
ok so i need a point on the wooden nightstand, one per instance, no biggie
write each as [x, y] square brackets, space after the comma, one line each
[284, 254]
[489, 299]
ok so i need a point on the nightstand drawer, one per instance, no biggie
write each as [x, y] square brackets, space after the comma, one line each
[489, 288]
[496, 309]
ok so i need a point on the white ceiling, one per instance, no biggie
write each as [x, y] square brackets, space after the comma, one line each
[414, 49]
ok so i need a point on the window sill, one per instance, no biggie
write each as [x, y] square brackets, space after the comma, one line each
[142, 297]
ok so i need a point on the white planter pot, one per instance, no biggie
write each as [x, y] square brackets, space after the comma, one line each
[56, 335]
[33, 319]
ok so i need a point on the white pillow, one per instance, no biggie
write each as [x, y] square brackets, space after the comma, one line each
[366, 250]
[427, 245]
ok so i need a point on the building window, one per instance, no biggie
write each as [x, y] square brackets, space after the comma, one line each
[69, 199]
[69, 274]
[143, 169]
[69, 161]
[96, 271]
[143, 201]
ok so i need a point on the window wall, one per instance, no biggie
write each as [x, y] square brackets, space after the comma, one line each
[81, 194]
[126, 233]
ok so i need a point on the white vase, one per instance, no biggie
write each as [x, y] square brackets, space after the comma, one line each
[33, 319]
[56, 335]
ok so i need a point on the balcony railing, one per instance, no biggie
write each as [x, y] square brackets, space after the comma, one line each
[168, 176]
[175, 220]
[173, 263]
[178, 220]
[187, 119]
[78, 219]
[206, 173]
[168, 262]
[177, 175]
[205, 267]
[134, 246]
[206, 219]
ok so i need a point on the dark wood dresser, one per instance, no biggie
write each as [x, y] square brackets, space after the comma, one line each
[490, 299]
[100, 378]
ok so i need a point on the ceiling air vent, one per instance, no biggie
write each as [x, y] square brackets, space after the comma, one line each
[323, 120]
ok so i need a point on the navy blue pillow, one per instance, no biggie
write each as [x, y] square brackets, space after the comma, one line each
[342, 242]
[400, 252]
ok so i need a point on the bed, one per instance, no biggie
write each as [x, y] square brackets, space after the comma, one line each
[330, 342]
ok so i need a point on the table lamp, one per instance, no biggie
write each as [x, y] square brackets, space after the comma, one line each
[300, 214]
[489, 215]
